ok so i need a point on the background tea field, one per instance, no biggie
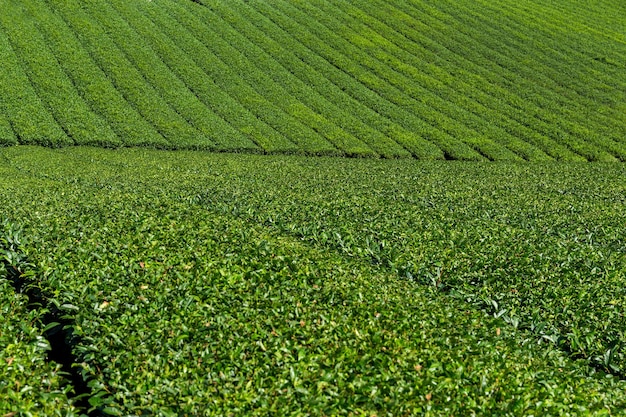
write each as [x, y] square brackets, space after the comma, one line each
[468, 80]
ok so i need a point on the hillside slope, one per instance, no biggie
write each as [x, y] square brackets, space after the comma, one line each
[469, 80]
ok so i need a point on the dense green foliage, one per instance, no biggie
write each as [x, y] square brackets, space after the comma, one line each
[208, 284]
[28, 384]
[468, 80]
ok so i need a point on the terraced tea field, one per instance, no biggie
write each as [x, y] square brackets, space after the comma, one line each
[182, 234]
[469, 80]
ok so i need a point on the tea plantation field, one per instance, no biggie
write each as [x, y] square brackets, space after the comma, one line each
[324, 207]
[452, 79]
[188, 283]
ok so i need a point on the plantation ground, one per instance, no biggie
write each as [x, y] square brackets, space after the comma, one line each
[207, 284]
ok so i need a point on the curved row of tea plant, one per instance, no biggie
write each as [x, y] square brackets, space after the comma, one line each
[53, 86]
[307, 124]
[371, 78]
[29, 384]
[210, 284]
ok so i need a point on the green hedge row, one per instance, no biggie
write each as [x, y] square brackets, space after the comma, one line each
[234, 50]
[344, 90]
[576, 140]
[156, 61]
[29, 118]
[569, 78]
[593, 78]
[98, 91]
[51, 83]
[447, 46]
[121, 71]
[245, 37]
[506, 60]
[469, 80]
[338, 67]
[361, 65]
[233, 103]
[597, 84]
[393, 48]
[312, 88]
[232, 116]
[482, 85]
[439, 111]
[183, 52]
[198, 124]
[558, 51]
[231, 81]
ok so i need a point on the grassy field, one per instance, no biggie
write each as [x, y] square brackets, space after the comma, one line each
[365, 208]
[208, 284]
[467, 80]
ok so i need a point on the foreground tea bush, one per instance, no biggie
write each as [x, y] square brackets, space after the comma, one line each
[29, 385]
[212, 284]
[540, 246]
